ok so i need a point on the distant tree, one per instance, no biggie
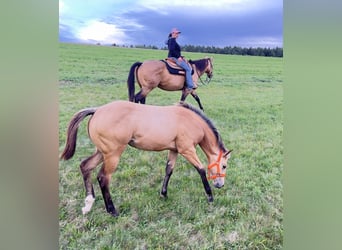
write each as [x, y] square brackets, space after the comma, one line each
[228, 50]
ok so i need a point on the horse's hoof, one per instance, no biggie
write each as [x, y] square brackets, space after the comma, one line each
[210, 199]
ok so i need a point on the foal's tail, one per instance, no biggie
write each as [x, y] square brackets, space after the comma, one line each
[74, 123]
[130, 81]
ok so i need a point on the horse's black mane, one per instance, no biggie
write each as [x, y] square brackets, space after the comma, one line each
[201, 64]
[207, 120]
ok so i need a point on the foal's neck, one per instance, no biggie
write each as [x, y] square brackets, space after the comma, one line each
[211, 150]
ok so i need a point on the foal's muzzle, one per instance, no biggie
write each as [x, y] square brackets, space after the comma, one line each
[218, 183]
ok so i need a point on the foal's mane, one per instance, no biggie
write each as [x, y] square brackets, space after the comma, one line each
[207, 120]
[201, 64]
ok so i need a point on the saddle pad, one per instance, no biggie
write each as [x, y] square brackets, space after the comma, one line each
[173, 68]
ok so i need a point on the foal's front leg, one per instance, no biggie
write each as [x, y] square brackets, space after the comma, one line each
[191, 156]
[170, 164]
[206, 184]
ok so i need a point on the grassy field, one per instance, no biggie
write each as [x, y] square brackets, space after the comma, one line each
[244, 100]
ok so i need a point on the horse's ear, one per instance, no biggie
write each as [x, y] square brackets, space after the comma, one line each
[227, 154]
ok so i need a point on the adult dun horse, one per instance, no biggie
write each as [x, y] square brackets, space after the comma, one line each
[154, 73]
[178, 128]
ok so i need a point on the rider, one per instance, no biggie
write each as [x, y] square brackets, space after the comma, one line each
[175, 55]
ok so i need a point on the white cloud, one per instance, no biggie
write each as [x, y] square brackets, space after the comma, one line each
[263, 42]
[62, 7]
[101, 32]
[217, 5]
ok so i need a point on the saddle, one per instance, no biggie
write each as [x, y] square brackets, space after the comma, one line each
[174, 69]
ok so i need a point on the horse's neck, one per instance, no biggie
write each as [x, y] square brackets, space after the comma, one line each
[197, 69]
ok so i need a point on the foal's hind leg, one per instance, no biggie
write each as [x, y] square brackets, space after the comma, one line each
[86, 167]
[170, 164]
[104, 176]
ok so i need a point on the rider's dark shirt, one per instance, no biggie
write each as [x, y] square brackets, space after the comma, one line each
[174, 48]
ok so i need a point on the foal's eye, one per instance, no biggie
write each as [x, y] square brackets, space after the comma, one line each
[224, 166]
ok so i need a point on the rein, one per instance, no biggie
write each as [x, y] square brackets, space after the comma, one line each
[217, 165]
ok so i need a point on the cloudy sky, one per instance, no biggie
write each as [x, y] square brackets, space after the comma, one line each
[219, 23]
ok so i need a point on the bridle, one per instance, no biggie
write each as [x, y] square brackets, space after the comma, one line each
[218, 169]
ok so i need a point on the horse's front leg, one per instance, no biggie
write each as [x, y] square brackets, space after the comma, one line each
[185, 93]
[171, 160]
[194, 95]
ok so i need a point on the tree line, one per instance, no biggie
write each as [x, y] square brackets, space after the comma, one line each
[229, 50]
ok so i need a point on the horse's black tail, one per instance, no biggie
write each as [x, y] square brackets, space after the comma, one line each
[130, 81]
[74, 123]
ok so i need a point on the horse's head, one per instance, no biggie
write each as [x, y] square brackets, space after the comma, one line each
[209, 68]
[202, 66]
[217, 170]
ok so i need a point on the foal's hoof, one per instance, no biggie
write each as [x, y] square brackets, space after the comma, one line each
[163, 196]
[114, 213]
[210, 199]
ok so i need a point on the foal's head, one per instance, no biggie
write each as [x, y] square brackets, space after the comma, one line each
[217, 170]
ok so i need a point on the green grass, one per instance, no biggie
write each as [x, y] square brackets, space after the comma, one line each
[245, 102]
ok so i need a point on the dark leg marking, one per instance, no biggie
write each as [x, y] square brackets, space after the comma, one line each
[104, 185]
[168, 173]
[206, 184]
[194, 95]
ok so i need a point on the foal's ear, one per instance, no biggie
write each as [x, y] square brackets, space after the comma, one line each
[227, 154]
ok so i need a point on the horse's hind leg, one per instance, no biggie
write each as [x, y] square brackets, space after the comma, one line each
[140, 97]
[86, 167]
[171, 160]
[109, 166]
